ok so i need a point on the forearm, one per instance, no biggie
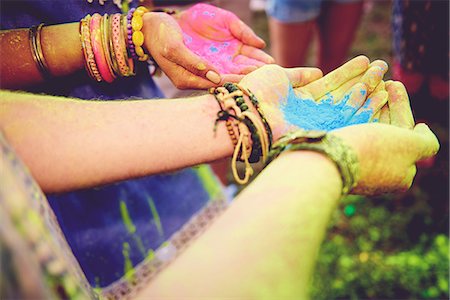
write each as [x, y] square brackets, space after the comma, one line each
[61, 47]
[70, 144]
[266, 243]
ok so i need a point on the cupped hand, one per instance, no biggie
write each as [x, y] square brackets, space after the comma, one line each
[296, 98]
[388, 150]
[222, 39]
[163, 39]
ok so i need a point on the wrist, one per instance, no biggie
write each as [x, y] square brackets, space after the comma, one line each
[306, 171]
[148, 26]
[62, 49]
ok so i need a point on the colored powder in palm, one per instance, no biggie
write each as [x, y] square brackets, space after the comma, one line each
[219, 54]
[326, 115]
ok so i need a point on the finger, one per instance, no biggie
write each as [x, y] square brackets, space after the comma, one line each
[384, 115]
[241, 69]
[352, 101]
[244, 33]
[336, 78]
[243, 65]
[400, 109]
[257, 54]
[182, 78]
[372, 78]
[179, 54]
[340, 92]
[374, 104]
[380, 87]
[376, 117]
[302, 76]
[429, 144]
[409, 178]
[380, 63]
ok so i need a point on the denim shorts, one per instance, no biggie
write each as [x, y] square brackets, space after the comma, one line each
[292, 11]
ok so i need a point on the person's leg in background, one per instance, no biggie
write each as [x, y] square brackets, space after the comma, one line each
[292, 25]
[338, 23]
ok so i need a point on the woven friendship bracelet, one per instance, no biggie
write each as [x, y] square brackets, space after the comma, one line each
[251, 141]
[332, 146]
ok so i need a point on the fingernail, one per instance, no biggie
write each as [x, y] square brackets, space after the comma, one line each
[213, 77]
[201, 66]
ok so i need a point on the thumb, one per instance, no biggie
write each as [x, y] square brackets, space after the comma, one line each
[181, 55]
[429, 144]
[302, 76]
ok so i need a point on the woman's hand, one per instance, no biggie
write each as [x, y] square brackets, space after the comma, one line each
[192, 68]
[388, 151]
[222, 39]
[163, 39]
[297, 98]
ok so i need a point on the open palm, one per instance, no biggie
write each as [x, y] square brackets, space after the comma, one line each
[222, 39]
[299, 98]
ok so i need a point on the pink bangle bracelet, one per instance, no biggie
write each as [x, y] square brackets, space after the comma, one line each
[97, 48]
[118, 47]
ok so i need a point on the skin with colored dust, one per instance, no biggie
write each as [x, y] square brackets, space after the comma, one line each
[207, 33]
[325, 115]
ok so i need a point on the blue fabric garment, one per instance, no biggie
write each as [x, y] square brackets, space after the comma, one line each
[111, 226]
[295, 11]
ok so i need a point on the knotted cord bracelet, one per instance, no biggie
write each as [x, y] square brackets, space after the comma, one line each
[250, 129]
[331, 145]
[255, 103]
[261, 139]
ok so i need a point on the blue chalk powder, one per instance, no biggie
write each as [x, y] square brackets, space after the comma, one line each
[326, 115]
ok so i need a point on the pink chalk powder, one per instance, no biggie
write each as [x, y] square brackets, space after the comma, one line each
[206, 32]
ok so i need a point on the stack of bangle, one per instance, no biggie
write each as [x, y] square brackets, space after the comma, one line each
[251, 135]
[111, 43]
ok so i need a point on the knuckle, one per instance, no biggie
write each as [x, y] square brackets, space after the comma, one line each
[170, 50]
[181, 84]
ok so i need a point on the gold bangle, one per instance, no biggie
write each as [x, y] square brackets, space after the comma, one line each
[90, 64]
[107, 45]
[36, 50]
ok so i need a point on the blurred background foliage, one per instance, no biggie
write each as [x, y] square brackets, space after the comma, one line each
[394, 246]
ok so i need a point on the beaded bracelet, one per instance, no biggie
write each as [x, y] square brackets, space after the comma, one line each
[235, 112]
[130, 34]
[256, 145]
[109, 44]
[137, 36]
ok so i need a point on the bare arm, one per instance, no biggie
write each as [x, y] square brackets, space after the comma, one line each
[270, 252]
[70, 144]
[61, 47]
